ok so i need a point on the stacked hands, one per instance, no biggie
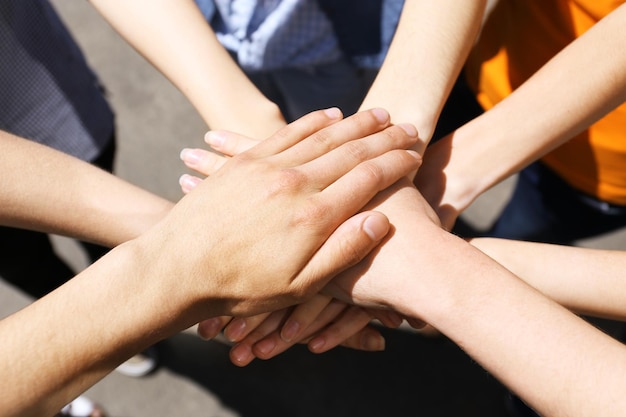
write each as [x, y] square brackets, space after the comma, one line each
[328, 318]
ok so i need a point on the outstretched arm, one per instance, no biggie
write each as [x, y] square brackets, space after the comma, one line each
[573, 90]
[430, 46]
[588, 281]
[550, 357]
[197, 263]
[45, 190]
[174, 36]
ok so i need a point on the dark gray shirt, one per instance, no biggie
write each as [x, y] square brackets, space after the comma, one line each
[47, 91]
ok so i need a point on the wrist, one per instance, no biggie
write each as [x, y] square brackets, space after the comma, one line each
[164, 304]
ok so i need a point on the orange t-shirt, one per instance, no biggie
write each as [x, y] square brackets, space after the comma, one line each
[519, 37]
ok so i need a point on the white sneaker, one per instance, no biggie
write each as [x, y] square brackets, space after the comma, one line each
[81, 407]
[141, 364]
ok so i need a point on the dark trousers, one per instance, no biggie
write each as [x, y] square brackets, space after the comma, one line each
[544, 208]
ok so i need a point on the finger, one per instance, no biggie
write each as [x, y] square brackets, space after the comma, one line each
[353, 320]
[229, 143]
[327, 168]
[240, 327]
[302, 316]
[321, 142]
[188, 182]
[345, 247]
[416, 323]
[242, 353]
[273, 344]
[367, 339]
[210, 328]
[359, 186]
[295, 132]
[202, 161]
[388, 318]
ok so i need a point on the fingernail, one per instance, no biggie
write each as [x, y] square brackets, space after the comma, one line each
[333, 113]
[189, 156]
[265, 346]
[188, 182]
[375, 228]
[381, 115]
[235, 330]
[290, 330]
[215, 139]
[241, 355]
[210, 328]
[372, 342]
[316, 344]
[409, 129]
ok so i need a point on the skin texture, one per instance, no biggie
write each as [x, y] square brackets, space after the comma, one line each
[460, 167]
[526, 340]
[174, 36]
[118, 212]
[175, 274]
[431, 43]
[508, 317]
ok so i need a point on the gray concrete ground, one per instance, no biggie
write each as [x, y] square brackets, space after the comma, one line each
[415, 376]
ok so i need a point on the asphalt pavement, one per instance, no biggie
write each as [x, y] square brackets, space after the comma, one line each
[415, 376]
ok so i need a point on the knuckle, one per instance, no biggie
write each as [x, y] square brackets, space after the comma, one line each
[288, 180]
[352, 253]
[371, 172]
[357, 150]
[324, 140]
[395, 135]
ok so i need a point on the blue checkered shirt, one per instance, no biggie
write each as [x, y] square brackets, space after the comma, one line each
[273, 34]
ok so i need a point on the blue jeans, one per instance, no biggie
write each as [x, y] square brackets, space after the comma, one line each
[544, 208]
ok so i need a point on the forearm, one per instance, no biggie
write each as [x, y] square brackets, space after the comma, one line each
[530, 343]
[274, 206]
[430, 47]
[174, 36]
[588, 281]
[43, 189]
[116, 311]
[572, 91]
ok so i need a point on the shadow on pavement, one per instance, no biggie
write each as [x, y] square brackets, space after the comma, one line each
[416, 376]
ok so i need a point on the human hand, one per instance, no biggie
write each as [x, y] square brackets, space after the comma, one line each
[379, 280]
[287, 218]
[322, 322]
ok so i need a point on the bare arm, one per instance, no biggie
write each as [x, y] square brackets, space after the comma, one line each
[43, 189]
[529, 342]
[428, 51]
[573, 90]
[283, 194]
[588, 281]
[174, 36]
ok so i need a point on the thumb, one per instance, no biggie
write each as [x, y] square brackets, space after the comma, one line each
[350, 243]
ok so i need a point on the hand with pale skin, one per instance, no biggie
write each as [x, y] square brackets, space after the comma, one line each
[263, 233]
[460, 167]
[529, 342]
[322, 322]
